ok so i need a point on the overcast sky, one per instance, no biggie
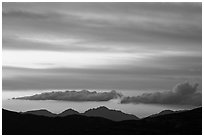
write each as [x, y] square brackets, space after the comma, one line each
[127, 46]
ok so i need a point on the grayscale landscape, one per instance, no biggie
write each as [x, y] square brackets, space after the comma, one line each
[102, 68]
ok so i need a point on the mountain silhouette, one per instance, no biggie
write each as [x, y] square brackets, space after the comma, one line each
[41, 112]
[184, 123]
[68, 112]
[114, 115]
[102, 111]
[165, 112]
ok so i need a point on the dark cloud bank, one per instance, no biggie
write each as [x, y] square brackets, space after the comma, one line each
[182, 94]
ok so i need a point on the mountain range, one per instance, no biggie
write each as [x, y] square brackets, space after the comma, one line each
[187, 122]
[102, 111]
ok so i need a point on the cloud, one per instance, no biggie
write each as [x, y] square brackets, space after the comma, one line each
[124, 78]
[15, 79]
[165, 40]
[107, 23]
[23, 14]
[182, 94]
[83, 95]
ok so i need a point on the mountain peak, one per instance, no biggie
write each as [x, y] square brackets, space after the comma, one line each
[41, 112]
[107, 113]
[68, 112]
[166, 112]
[163, 112]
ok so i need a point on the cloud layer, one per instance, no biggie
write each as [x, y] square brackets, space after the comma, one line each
[126, 46]
[83, 95]
[182, 94]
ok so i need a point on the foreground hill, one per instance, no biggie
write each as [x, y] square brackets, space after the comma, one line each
[186, 123]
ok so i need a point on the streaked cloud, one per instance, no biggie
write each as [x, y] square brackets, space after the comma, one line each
[126, 78]
[141, 23]
[113, 45]
[23, 14]
[38, 59]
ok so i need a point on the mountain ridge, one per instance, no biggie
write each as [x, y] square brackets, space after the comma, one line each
[184, 123]
[102, 111]
[166, 112]
[40, 112]
[115, 115]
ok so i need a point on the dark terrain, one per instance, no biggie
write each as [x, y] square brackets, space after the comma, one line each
[182, 123]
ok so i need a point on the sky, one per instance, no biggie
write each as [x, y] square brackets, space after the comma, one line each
[115, 46]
